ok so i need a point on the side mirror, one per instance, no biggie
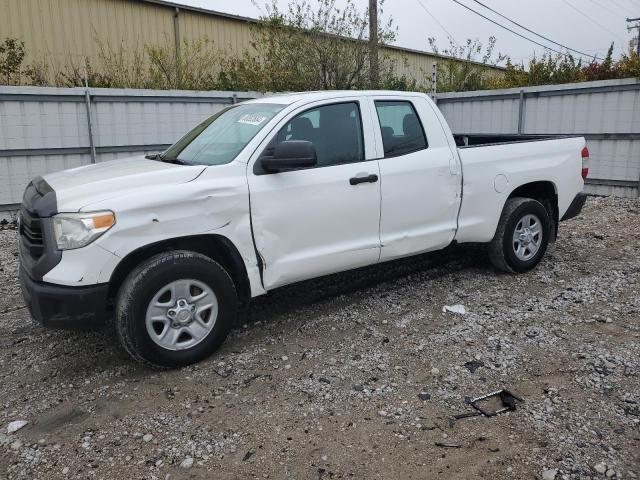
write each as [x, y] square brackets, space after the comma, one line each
[290, 154]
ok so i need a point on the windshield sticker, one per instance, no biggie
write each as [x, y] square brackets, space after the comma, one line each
[252, 118]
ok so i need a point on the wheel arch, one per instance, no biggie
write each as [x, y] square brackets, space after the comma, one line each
[217, 247]
[544, 191]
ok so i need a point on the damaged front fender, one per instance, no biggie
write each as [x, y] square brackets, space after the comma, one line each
[217, 202]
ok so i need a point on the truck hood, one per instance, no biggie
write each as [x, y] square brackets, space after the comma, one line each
[81, 186]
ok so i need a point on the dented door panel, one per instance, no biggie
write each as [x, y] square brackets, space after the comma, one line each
[312, 222]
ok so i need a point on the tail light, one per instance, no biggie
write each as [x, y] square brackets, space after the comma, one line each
[585, 162]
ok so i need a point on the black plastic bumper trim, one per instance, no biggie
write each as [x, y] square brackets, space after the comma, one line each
[576, 206]
[58, 306]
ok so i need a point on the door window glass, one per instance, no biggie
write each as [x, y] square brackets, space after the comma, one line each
[335, 131]
[401, 129]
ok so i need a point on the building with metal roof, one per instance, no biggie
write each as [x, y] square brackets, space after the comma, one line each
[60, 32]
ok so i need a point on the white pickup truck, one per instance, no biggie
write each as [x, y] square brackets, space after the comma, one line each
[274, 191]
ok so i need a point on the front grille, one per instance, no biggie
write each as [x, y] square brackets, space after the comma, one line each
[38, 252]
[31, 233]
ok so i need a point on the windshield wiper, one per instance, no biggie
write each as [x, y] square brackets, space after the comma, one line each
[160, 158]
[177, 161]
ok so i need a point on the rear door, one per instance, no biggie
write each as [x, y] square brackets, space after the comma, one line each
[420, 180]
[317, 221]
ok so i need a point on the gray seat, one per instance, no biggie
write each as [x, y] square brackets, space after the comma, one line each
[301, 129]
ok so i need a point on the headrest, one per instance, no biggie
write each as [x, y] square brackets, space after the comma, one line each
[301, 128]
[387, 132]
[411, 125]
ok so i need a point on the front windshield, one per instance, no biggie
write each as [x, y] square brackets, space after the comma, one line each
[220, 138]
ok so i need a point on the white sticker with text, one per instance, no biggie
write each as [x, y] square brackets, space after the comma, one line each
[252, 118]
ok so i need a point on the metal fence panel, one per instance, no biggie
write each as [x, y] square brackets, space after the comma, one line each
[614, 159]
[486, 116]
[147, 123]
[44, 130]
[611, 112]
[38, 124]
[16, 171]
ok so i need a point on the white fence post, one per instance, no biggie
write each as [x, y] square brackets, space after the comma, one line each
[521, 106]
[87, 98]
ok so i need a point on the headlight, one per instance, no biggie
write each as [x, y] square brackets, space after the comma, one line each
[76, 230]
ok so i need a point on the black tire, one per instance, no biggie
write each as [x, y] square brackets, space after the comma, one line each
[501, 250]
[146, 280]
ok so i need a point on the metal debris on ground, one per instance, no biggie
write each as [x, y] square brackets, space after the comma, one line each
[447, 445]
[461, 416]
[507, 399]
[473, 365]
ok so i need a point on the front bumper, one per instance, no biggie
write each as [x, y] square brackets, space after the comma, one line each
[59, 306]
[576, 206]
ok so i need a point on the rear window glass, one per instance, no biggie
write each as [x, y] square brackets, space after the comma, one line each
[401, 129]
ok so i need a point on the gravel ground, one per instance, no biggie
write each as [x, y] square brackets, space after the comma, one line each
[357, 375]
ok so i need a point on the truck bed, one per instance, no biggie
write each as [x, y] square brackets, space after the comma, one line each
[464, 140]
[490, 174]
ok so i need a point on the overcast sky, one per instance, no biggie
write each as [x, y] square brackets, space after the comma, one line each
[585, 25]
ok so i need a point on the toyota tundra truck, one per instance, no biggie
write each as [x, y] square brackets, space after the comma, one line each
[274, 191]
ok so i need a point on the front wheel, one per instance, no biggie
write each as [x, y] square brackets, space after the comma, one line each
[175, 308]
[522, 236]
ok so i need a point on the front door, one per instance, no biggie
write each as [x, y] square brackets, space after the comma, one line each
[316, 221]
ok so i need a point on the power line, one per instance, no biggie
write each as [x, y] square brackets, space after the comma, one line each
[608, 8]
[510, 30]
[592, 20]
[436, 20]
[535, 33]
[615, 2]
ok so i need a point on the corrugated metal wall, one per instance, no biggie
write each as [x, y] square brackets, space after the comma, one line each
[233, 36]
[607, 113]
[410, 64]
[66, 30]
[46, 129]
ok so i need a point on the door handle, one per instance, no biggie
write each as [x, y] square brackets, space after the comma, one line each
[373, 178]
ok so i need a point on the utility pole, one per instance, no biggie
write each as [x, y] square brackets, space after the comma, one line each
[177, 40]
[374, 66]
[636, 26]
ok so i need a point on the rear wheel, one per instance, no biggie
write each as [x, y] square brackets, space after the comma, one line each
[175, 309]
[522, 236]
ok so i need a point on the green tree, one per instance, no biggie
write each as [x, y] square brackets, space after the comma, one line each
[469, 66]
[195, 67]
[564, 68]
[11, 58]
[628, 65]
[305, 48]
